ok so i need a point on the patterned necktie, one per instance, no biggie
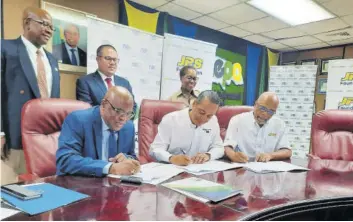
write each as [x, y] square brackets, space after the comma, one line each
[73, 56]
[109, 82]
[41, 76]
[113, 145]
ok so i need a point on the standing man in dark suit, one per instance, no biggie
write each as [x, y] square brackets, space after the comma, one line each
[68, 52]
[92, 87]
[28, 72]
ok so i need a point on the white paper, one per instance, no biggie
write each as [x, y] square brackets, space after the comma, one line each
[210, 167]
[155, 173]
[7, 211]
[272, 166]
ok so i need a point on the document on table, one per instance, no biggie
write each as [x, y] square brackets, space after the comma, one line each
[210, 167]
[7, 211]
[155, 173]
[272, 166]
[202, 190]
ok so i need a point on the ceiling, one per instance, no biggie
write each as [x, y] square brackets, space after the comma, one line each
[239, 19]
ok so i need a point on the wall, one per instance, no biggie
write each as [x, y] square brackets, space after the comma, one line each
[105, 9]
[319, 54]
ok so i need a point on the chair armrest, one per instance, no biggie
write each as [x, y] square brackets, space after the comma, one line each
[27, 177]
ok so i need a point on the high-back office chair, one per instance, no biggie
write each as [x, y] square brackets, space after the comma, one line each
[225, 113]
[332, 135]
[151, 114]
[41, 124]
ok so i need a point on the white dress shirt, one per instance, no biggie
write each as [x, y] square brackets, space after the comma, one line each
[177, 135]
[32, 53]
[68, 49]
[244, 132]
[104, 77]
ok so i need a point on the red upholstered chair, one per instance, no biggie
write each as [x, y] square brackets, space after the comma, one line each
[225, 113]
[332, 135]
[151, 114]
[41, 125]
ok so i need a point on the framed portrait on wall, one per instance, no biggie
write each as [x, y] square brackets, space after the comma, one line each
[289, 63]
[69, 41]
[324, 65]
[309, 62]
[322, 86]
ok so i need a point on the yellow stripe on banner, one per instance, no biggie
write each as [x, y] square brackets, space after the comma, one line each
[62, 37]
[272, 58]
[141, 20]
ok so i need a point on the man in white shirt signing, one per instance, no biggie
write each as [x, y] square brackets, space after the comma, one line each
[257, 134]
[190, 135]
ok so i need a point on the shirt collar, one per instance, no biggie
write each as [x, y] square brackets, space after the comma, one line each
[180, 93]
[104, 76]
[104, 125]
[30, 47]
[69, 47]
[188, 120]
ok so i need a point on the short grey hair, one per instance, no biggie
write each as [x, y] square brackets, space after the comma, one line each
[210, 95]
[73, 25]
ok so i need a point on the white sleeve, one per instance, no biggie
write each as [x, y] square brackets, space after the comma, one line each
[160, 145]
[282, 139]
[230, 139]
[216, 149]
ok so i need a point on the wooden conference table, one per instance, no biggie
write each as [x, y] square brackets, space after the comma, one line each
[324, 192]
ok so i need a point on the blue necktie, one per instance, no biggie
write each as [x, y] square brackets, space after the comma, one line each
[73, 57]
[113, 145]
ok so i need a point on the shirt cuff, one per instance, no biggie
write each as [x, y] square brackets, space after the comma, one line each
[164, 156]
[230, 143]
[106, 169]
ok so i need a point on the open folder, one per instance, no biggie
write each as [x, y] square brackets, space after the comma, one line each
[52, 197]
[202, 190]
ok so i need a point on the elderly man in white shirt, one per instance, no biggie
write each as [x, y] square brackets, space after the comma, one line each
[190, 135]
[257, 134]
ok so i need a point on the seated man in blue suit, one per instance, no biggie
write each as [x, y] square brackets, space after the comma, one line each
[99, 140]
[92, 87]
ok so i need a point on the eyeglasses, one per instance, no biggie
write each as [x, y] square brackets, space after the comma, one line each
[121, 112]
[44, 24]
[192, 78]
[110, 59]
[268, 111]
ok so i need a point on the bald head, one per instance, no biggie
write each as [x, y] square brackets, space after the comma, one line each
[37, 26]
[72, 35]
[119, 93]
[269, 99]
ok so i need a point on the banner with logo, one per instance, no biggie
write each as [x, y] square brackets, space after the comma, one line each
[295, 87]
[140, 55]
[339, 94]
[179, 52]
[229, 69]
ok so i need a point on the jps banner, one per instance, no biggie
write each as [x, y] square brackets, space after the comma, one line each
[339, 93]
[179, 52]
[295, 87]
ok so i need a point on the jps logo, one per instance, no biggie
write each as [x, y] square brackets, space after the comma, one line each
[347, 79]
[190, 61]
[346, 103]
[272, 134]
[207, 130]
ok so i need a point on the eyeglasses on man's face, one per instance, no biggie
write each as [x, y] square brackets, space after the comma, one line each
[44, 24]
[110, 59]
[121, 112]
[195, 78]
[266, 110]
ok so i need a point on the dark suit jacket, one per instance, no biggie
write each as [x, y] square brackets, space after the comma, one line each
[80, 143]
[19, 85]
[91, 88]
[60, 52]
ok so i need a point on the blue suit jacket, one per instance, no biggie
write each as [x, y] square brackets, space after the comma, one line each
[80, 143]
[19, 85]
[91, 88]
